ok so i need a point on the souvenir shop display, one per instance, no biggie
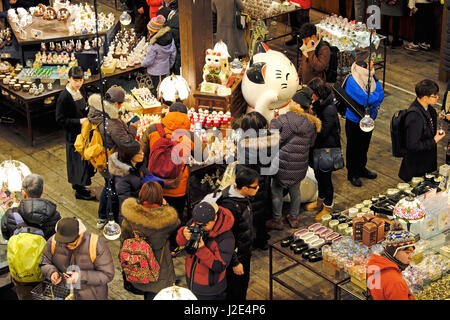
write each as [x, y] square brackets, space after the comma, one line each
[263, 9]
[145, 97]
[145, 121]
[5, 37]
[209, 120]
[216, 69]
[218, 148]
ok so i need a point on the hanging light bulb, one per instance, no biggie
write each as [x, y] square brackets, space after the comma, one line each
[367, 124]
[125, 18]
[112, 231]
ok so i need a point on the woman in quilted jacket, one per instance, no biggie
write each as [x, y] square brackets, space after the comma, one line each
[151, 217]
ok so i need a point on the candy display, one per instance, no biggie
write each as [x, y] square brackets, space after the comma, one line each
[439, 290]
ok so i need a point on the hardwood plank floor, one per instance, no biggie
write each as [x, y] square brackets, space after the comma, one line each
[404, 69]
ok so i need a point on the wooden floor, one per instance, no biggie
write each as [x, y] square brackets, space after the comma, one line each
[404, 69]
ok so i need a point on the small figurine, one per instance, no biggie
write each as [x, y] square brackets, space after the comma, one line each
[43, 47]
[52, 46]
[87, 45]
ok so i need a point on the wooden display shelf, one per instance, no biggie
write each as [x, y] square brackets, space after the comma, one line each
[234, 102]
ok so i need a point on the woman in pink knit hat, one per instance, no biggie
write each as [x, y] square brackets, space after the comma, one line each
[161, 52]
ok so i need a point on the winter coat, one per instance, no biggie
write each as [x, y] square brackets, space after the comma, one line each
[227, 30]
[258, 153]
[68, 116]
[35, 212]
[155, 224]
[360, 96]
[154, 5]
[314, 65]
[446, 55]
[421, 149]
[117, 131]
[171, 122]
[161, 53]
[94, 276]
[305, 4]
[329, 135]
[206, 269]
[397, 10]
[298, 131]
[173, 22]
[127, 178]
[242, 229]
[391, 284]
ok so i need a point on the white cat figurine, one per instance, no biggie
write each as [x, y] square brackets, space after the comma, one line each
[269, 82]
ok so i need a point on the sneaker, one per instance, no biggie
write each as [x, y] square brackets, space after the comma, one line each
[293, 221]
[411, 47]
[424, 46]
[276, 224]
[101, 223]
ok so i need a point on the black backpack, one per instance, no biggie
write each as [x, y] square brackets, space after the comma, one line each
[331, 72]
[398, 132]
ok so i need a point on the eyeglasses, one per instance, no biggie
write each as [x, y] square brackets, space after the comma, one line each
[251, 187]
[434, 96]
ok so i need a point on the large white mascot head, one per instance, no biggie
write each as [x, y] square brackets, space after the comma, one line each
[269, 82]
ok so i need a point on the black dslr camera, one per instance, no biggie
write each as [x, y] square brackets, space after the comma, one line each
[197, 232]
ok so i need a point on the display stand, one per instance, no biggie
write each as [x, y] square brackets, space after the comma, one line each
[26, 104]
[331, 275]
[234, 103]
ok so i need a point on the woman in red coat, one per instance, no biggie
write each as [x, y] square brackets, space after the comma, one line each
[384, 272]
[154, 5]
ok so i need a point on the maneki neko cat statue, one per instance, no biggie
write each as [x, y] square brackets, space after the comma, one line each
[269, 82]
[216, 69]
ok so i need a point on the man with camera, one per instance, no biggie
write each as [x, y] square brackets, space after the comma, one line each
[209, 244]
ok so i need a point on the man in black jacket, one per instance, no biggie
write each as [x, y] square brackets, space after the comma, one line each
[35, 212]
[173, 21]
[421, 133]
[235, 199]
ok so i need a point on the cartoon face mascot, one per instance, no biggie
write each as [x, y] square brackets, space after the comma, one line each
[216, 69]
[269, 82]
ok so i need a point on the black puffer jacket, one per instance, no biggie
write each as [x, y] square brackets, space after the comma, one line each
[242, 229]
[257, 153]
[329, 135]
[36, 212]
[127, 178]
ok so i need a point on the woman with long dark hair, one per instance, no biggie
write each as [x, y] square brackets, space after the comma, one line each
[71, 113]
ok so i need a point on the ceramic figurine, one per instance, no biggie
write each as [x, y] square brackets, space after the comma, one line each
[43, 46]
[79, 46]
[58, 47]
[52, 46]
[270, 82]
[216, 69]
[87, 45]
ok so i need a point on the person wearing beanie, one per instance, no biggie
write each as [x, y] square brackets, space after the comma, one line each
[206, 268]
[358, 141]
[69, 257]
[117, 132]
[384, 272]
[328, 137]
[161, 52]
[128, 170]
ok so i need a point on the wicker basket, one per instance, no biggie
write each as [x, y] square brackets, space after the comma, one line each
[48, 291]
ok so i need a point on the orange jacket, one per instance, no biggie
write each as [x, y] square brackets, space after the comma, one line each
[171, 122]
[387, 280]
[154, 5]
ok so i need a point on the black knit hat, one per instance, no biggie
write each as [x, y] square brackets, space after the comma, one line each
[128, 149]
[178, 107]
[303, 97]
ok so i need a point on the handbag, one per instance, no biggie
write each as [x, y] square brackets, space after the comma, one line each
[328, 159]
[241, 19]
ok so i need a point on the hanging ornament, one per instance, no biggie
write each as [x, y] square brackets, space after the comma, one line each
[367, 124]
[125, 18]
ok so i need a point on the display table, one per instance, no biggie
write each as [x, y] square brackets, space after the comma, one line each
[321, 270]
[234, 102]
[26, 104]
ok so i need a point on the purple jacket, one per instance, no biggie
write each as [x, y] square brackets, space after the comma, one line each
[161, 53]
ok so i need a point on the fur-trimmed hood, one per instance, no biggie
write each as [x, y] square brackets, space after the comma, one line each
[117, 167]
[95, 112]
[150, 218]
[263, 141]
[163, 37]
[294, 107]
